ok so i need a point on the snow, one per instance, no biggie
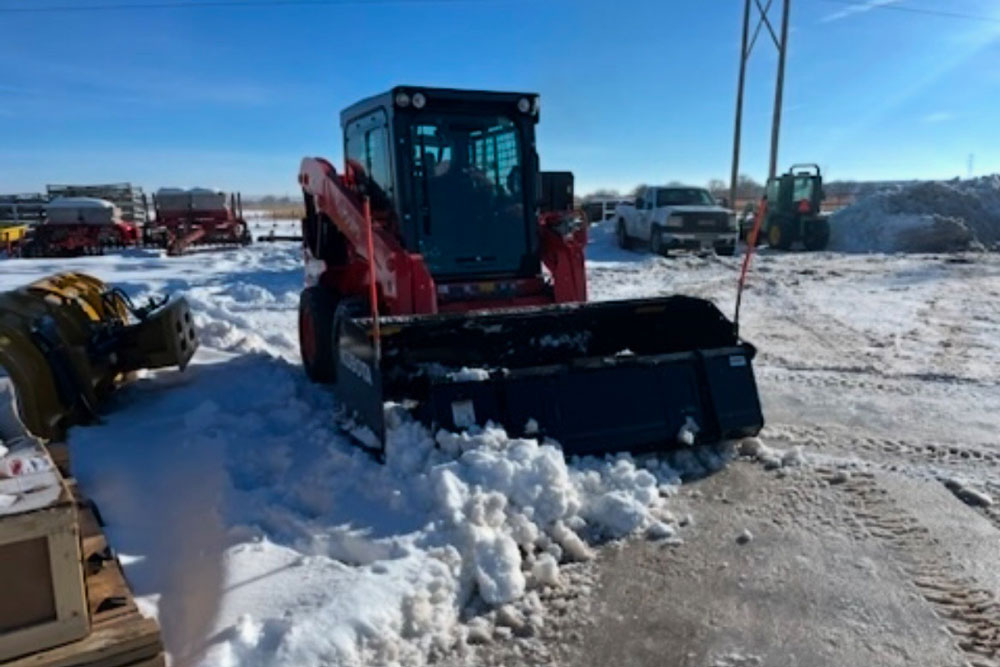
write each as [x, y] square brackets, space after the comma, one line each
[921, 217]
[86, 210]
[772, 457]
[358, 562]
[80, 202]
[470, 375]
[260, 534]
[545, 571]
[579, 341]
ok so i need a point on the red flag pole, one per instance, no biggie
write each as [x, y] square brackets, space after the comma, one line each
[747, 256]
[372, 277]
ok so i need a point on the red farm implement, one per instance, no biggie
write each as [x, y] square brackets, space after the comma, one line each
[76, 226]
[196, 219]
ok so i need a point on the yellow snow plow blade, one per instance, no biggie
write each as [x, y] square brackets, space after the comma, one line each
[69, 340]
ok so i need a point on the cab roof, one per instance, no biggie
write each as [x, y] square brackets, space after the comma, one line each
[450, 97]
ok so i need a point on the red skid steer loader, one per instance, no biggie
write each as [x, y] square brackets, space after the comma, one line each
[433, 282]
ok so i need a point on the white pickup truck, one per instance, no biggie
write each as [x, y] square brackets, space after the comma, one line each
[669, 218]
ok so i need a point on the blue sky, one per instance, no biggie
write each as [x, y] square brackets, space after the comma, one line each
[632, 90]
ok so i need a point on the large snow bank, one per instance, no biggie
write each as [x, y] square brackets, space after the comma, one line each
[922, 217]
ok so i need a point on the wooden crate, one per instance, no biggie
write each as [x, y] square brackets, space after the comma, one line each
[59, 453]
[119, 635]
[42, 597]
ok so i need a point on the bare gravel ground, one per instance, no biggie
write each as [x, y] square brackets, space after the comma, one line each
[881, 546]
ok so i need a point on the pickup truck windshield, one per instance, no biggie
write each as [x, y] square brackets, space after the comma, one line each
[683, 197]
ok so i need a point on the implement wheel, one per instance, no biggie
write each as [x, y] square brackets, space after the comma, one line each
[316, 308]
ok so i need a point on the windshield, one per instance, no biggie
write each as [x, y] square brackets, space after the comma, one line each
[468, 183]
[803, 189]
[683, 197]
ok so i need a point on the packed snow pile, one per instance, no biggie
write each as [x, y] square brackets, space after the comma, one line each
[929, 216]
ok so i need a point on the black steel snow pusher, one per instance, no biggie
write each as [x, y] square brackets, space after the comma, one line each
[597, 377]
[436, 280]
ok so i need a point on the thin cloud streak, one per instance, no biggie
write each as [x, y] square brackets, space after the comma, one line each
[938, 117]
[854, 10]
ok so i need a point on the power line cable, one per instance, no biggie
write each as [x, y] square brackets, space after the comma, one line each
[916, 10]
[181, 4]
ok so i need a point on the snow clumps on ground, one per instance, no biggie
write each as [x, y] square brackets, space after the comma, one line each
[514, 509]
[927, 216]
[498, 518]
[771, 458]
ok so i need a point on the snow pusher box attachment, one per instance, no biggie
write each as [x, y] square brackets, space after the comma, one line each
[597, 377]
[439, 278]
[69, 340]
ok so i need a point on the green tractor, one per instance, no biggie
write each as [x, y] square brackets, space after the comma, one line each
[793, 210]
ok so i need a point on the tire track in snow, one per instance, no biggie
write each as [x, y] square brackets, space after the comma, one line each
[968, 611]
[978, 463]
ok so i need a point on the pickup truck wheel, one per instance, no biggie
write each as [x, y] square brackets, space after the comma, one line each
[656, 243]
[624, 241]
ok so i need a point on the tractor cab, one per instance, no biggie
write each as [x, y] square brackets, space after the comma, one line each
[794, 201]
[800, 190]
[453, 174]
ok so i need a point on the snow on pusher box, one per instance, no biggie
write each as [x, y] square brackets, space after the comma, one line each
[69, 340]
[437, 280]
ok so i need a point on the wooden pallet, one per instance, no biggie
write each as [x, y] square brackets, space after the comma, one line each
[59, 452]
[120, 636]
[44, 600]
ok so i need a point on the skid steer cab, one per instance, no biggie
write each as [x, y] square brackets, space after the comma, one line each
[436, 280]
